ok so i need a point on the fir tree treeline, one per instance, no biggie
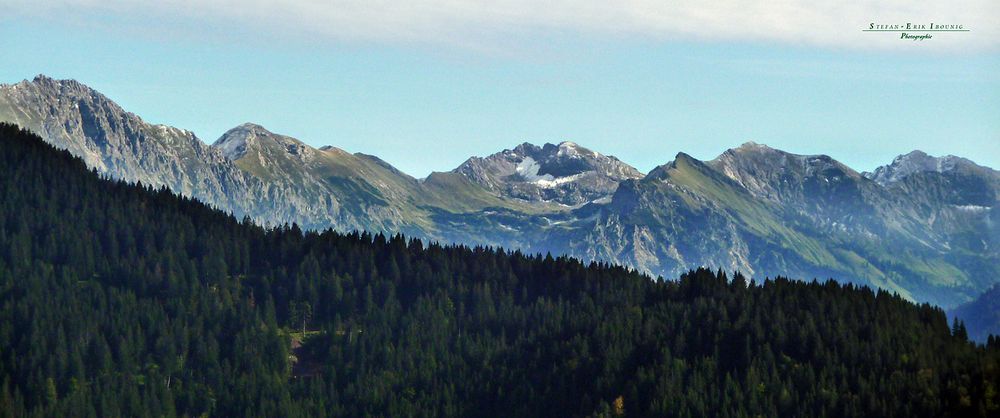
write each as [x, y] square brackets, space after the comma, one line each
[122, 300]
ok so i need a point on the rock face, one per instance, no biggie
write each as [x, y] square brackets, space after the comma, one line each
[567, 174]
[922, 226]
[122, 145]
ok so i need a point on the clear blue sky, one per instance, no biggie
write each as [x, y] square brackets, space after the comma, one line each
[428, 105]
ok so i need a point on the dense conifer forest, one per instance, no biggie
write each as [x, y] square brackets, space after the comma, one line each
[120, 300]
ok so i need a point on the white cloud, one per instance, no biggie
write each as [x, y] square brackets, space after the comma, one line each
[502, 23]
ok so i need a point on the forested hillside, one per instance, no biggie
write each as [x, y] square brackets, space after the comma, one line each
[120, 300]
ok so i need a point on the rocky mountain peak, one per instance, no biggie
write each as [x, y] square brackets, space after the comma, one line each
[915, 162]
[237, 142]
[522, 149]
[44, 80]
[567, 173]
[783, 177]
[233, 144]
[253, 127]
[569, 149]
[332, 149]
[68, 92]
[680, 162]
[64, 91]
[752, 146]
[753, 159]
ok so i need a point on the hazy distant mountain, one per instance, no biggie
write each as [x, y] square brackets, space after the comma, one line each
[982, 315]
[918, 162]
[925, 227]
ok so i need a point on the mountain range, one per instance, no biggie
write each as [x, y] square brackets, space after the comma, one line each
[925, 227]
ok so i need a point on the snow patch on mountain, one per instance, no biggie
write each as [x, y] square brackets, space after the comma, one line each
[528, 170]
[556, 182]
[972, 208]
